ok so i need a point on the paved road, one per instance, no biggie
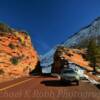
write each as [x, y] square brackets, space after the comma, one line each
[43, 88]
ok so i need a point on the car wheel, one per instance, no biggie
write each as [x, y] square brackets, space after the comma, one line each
[61, 80]
[77, 82]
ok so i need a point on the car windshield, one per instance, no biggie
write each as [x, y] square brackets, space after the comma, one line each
[68, 71]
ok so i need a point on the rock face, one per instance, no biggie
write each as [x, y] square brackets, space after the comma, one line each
[65, 55]
[47, 59]
[17, 56]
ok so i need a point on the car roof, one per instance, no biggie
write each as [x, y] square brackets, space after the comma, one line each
[68, 69]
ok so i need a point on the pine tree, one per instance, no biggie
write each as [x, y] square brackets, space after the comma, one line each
[93, 53]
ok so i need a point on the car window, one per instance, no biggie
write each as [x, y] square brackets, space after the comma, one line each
[68, 71]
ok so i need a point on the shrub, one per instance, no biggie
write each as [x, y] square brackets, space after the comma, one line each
[14, 60]
[12, 46]
[26, 33]
[5, 28]
[22, 40]
[1, 71]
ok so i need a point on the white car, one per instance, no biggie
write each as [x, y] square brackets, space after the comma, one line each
[69, 75]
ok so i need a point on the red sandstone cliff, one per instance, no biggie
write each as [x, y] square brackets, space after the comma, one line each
[17, 55]
[72, 55]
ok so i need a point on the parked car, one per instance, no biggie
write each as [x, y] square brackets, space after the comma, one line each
[69, 75]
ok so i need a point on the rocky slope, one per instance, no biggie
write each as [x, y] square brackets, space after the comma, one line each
[79, 39]
[47, 59]
[17, 56]
[65, 56]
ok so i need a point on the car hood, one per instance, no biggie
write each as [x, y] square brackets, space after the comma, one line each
[70, 75]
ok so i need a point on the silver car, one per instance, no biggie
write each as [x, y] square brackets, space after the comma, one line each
[69, 75]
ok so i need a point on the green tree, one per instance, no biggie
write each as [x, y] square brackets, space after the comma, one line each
[5, 28]
[93, 53]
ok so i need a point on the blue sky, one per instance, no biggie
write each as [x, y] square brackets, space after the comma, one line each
[49, 22]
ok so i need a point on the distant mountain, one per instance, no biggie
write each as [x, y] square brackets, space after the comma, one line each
[47, 59]
[79, 39]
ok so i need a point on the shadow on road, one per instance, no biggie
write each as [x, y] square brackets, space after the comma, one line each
[98, 86]
[56, 83]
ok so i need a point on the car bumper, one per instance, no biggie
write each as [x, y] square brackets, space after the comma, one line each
[70, 80]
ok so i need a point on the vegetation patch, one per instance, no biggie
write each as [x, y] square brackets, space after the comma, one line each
[5, 28]
[93, 54]
[1, 71]
[22, 40]
[12, 46]
[14, 60]
[26, 33]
